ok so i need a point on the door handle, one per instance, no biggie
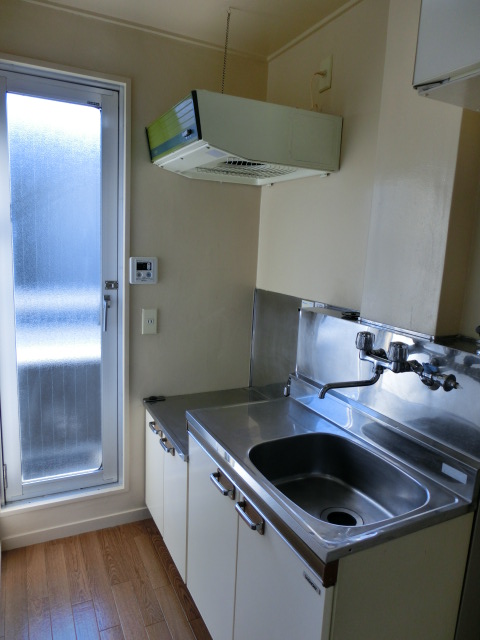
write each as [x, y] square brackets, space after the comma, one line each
[245, 511]
[225, 487]
[106, 307]
[165, 444]
[154, 428]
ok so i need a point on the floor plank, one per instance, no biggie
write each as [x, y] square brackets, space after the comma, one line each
[115, 633]
[85, 621]
[37, 586]
[129, 611]
[145, 594]
[61, 614]
[16, 610]
[2, 601]
[156, 573]
[200, 630]
[99, 583]
[76, 570]
[174, 577]
[174, 614]
[116, 584]
[116, 560]
[159, 631]
[39, 622]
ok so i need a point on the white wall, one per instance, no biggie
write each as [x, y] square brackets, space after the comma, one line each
[205, 235]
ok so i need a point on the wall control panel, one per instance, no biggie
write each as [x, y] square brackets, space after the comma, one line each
[143, 270]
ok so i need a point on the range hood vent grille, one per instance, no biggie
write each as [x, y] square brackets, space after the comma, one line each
[236, 167]
[213, 136]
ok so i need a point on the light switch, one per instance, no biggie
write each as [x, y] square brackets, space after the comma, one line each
[149, 321]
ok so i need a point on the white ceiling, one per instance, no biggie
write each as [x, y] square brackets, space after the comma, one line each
[260, 28]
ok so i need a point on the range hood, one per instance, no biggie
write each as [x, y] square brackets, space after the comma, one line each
[447, 65]
[213, 136]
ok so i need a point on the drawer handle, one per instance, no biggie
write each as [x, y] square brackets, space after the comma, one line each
[153, 427]
[259, 526]
[225, 491]
[165, 446]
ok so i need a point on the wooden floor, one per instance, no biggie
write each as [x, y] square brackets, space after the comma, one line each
[114, 584]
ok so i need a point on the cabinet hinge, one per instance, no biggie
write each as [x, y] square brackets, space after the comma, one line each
[5, 477]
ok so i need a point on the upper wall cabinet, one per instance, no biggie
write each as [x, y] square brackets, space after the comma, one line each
[447, 65]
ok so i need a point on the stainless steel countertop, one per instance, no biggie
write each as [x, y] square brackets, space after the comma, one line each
[169, 414]
[228, 434]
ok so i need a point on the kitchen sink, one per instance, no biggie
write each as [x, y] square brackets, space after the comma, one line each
[336, 480]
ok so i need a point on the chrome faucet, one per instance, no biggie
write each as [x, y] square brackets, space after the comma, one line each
[395, 360]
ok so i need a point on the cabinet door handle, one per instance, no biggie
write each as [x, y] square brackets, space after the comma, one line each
[257, 524]
[165, 446]
[153, 427]
[225, 491]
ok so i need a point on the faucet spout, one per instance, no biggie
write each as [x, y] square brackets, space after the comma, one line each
[353, 383]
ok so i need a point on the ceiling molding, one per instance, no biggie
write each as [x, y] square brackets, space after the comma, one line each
[262, 30]
[313, 29]
[141, 27]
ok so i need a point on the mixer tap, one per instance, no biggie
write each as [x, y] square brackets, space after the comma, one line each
[396, 360]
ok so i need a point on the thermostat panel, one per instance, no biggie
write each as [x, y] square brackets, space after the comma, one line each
[143, 270]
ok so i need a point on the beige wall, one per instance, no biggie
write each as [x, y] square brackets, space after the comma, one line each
[374, 236]
[205, 235]
[459, 310]
[314, 232]
[420, 147]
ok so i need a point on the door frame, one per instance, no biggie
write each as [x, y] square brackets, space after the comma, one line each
[118, 383]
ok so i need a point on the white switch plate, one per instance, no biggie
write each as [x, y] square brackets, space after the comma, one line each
[149, 321]
[325, 82]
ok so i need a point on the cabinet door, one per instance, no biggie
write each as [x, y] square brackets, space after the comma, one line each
[212, 544]
[175, 510]
[154, 459]
[277, 595]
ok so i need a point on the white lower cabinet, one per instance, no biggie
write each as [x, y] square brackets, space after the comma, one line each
[246, 585]
[154, 462]
[166, 479]
[250, 586]
[212, 545]
[175, 510]
[277, 595]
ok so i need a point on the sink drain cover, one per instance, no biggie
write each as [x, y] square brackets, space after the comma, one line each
[341, 517]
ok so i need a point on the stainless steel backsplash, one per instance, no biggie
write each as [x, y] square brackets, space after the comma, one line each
[326, 353]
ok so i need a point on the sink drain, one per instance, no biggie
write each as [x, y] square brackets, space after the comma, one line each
[341, 517]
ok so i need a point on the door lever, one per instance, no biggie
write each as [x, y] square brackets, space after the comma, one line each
[106, 306]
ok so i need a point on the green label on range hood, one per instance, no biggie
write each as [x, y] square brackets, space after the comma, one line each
[173, 130]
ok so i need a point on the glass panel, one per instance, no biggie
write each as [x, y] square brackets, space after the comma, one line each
[55, 166]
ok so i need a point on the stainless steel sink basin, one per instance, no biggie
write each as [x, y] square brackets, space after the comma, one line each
[336, 480]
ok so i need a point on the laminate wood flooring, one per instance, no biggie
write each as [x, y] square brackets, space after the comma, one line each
[114, 584]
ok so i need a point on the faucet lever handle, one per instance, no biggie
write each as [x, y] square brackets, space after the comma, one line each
[398, 352]
[364, 341]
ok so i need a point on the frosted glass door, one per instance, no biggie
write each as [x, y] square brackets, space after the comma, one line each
[61, 355]
[55, 170]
